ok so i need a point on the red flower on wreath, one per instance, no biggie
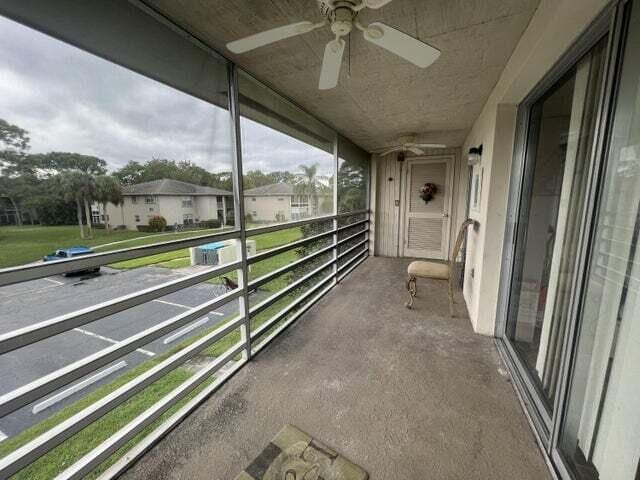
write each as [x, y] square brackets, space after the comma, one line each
[428, 191]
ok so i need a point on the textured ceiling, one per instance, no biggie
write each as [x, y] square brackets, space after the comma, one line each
[379, 96]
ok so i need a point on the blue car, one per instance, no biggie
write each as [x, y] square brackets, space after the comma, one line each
[70, 252]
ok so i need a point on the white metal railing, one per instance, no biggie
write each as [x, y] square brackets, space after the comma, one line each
[329, 273]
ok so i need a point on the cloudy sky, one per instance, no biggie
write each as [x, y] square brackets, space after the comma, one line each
[73, 101]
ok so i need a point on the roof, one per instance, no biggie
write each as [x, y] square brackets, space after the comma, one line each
[168, 186]
[272, 189]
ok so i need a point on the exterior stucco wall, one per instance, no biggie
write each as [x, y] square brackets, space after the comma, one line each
[264, 208]
[204, 207]
[553, 28]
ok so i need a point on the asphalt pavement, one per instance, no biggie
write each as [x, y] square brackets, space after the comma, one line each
[35, 301]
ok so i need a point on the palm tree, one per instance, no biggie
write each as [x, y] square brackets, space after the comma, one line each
[307, 185]
[108, 191]
[88, 191]
[308, 182]
[72, 184]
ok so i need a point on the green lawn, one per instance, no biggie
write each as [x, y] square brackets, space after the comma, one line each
[20, 245]
[180, 258]
[71, 450]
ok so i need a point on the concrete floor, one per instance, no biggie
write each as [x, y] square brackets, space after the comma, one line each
[406, 394]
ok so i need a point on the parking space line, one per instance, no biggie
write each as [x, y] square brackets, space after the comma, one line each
[174, 304]
[220, 314]
[3, 436]
[184, 331]
[77, 387]
[110, 340]
[57, 282]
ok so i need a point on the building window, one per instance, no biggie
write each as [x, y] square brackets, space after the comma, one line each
[149, 200]
[187, 202]
[253, 199]
[134, 199]
[137, 218]
[187, 219]
[281, 199]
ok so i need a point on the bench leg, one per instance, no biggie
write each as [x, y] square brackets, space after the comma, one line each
[412, 289]
[451, 312]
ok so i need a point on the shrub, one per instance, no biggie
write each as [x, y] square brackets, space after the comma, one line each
[157, 224]
[213, 223]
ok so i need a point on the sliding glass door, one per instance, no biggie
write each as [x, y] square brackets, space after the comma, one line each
[560, 134]
[571, 283]
[600, 434]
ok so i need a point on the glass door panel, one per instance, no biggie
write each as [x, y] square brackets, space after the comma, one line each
[560, 138]
[600, 435]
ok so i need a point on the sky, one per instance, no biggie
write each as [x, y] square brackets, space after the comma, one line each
[72, 101]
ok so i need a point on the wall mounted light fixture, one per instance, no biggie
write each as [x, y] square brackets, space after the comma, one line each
[475, 155]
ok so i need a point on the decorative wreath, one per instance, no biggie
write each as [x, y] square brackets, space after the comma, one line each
[428, 191]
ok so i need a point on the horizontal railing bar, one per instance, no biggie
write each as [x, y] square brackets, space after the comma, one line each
[352, 259]
[281, 293]
[350, 214]
[298, 223]
[26, 394]
[42, 330]
[150, 440]
[289, 321]
[285, 248]
[350, 269]
[24, 273]
[351, 225]
[44, 443]
[286, 225]
[99, 454]
[351, 249]
[258, 282]
[351, 237]
[266, 325]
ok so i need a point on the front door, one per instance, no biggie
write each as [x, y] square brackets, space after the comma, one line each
[427, 223]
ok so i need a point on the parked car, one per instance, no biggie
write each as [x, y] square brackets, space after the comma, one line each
[70, 252]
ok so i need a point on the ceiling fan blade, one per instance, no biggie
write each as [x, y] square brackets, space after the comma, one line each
[403, 45]
[415, 150]
[331, 64]
[271, 36]
[375, 3]
[390, 150]
[426, 145]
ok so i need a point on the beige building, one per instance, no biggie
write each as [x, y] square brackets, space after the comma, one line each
[180, 203]
[280, 202]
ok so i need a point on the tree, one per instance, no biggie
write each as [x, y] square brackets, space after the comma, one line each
[184, 171]
[79, 188]
[107, 191]
[14, 144]
[56, 162]
[308, 182]
[88, 191]
[72, 184]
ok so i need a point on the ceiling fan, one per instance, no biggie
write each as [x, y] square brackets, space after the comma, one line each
[341, 15]
[408, 144]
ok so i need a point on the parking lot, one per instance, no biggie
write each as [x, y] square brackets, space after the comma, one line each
[32, 302]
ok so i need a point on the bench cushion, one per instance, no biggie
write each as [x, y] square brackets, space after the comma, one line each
[429, 269]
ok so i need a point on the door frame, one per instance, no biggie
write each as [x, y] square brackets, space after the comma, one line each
[450, 159]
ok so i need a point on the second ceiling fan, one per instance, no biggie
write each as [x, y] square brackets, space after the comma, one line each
[341, 15]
